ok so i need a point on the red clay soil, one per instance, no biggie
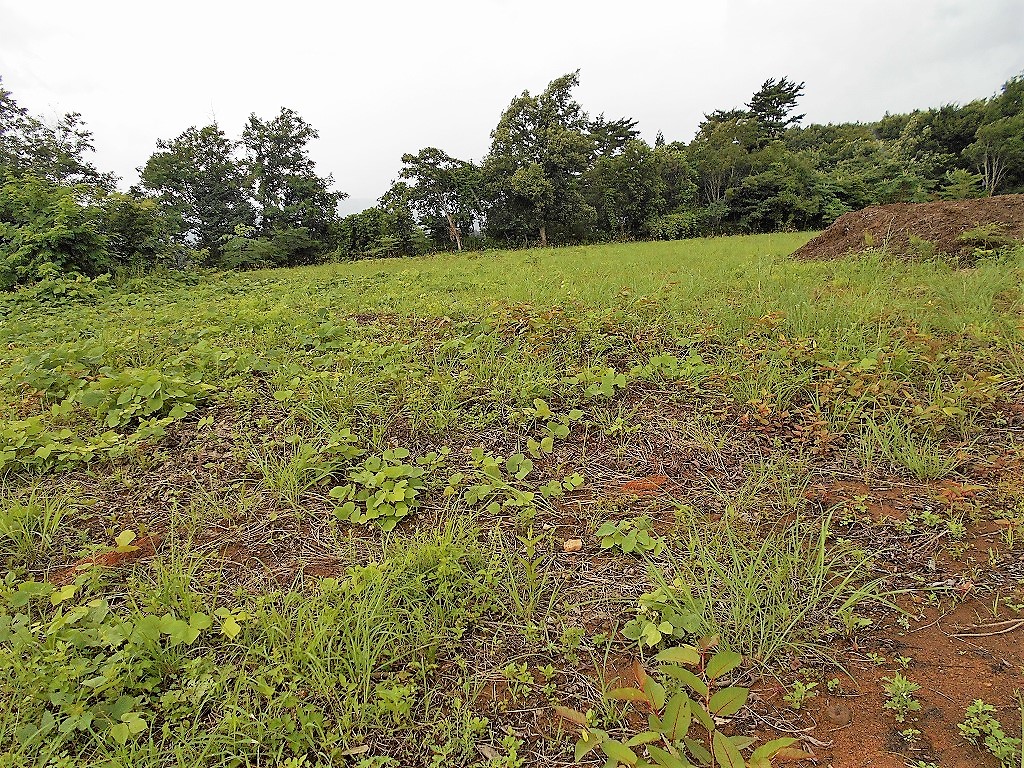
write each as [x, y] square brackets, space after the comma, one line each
[942, 224]
[142, 547]
[953, 669]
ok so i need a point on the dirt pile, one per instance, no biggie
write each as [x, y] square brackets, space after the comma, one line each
[954, 228]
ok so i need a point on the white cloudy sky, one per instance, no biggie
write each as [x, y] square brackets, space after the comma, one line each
[379, 79]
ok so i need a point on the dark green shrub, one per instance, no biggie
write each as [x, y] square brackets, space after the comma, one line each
[47, 230]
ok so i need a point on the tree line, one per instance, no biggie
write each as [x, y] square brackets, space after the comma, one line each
[553, 175]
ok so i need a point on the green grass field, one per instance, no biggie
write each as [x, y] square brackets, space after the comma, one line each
[329, 516]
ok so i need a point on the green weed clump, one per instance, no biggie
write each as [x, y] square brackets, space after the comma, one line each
[634, 535]
[30, 525]
[767, 592]
[119, 409]
[982, 729]
[384, 488]
[220, 679]
[683, 698]
[899, 692]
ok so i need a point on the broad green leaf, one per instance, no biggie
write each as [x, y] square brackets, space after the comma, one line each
[702, 715]
[590, 739]
[722, 663]
[700, 754]
[147, 628]
[655, 693]
[665, 759]
[791, 754]
[189, 635]
[652, 634]
[64, 593]
[728, 701]
[725, 751]
[119, 732]
[230, 627]
[28, 590]
[646, 737]
[134, 722]
[681, 654]
[628, 694]
[616, 750]
[769, 748]
[742, 742]
[677, 717]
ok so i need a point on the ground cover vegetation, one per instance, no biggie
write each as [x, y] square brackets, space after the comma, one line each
[553, 174]
[666, 503]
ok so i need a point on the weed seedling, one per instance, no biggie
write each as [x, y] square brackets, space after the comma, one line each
[981, 728]
[900, 696]
[910, 735]
[519, 680]
[800, 693]
[635, 535]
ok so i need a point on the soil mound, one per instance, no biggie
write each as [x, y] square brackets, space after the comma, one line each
[954, 228]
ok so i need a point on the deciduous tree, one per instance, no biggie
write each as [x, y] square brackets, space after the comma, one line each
[442, 188]
[539, 151]
[288, 192]
[199, 180]
[56, 153]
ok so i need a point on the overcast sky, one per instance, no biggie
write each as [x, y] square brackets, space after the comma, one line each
[378, 79]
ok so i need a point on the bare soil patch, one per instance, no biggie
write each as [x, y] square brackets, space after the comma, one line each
[957, 657]
[949, 226]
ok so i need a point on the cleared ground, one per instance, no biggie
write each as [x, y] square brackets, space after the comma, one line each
[424, 512]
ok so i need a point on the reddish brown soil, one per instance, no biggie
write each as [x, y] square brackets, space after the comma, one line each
[143, 547]
[940, 223]
[952, 671]
[644, 486]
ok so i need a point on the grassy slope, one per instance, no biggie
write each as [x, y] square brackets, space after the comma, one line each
[781, 376]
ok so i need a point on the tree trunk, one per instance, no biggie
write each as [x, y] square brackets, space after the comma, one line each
[992, 171]
[543, 236]
[453, 231]
[998, 171]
